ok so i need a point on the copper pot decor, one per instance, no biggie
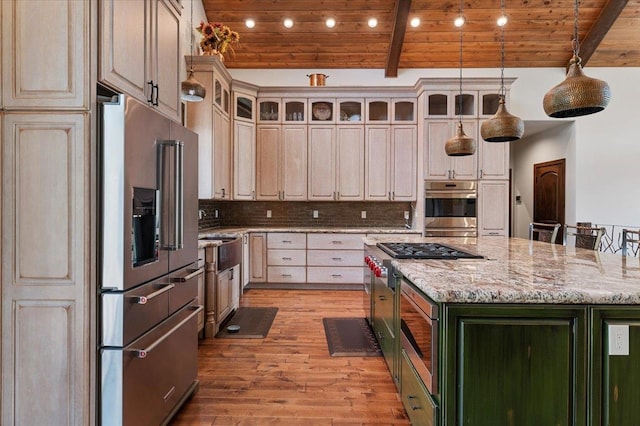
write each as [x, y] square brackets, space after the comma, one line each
[317, 79]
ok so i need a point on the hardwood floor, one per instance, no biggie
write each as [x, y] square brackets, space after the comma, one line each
[289, 377]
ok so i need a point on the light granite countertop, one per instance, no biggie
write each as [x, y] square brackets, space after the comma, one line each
[517, 270]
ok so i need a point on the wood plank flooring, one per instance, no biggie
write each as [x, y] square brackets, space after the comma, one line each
[289, 378]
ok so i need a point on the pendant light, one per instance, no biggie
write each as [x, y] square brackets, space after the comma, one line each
[502, 127]
[460, 144]
[578, 94]
[191, 90]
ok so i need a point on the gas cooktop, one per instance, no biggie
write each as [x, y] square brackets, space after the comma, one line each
[424, 251]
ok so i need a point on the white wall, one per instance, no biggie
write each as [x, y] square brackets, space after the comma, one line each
[186, 26]
[602, 150]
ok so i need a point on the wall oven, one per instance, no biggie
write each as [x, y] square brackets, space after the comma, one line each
[419, 334]
[450, 208]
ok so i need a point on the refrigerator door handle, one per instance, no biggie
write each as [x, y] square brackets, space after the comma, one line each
[170, 183]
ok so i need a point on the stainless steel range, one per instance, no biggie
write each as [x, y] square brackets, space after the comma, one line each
[424, 251]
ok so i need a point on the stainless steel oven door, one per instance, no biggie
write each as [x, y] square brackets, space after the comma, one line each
[450, 208]
[419, 335]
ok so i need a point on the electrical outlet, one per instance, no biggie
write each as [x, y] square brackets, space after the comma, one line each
[363, 214]
[315, 214]
[216, 214]
[406, 215]
[268, 213]
[618, 339]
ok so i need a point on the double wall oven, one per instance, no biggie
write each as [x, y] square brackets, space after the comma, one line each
[450, 208]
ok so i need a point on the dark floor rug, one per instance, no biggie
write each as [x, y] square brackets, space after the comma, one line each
[254, 323]
[350, 337]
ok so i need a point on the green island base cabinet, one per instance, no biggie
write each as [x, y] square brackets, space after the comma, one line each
[531, 365]
[530, 335]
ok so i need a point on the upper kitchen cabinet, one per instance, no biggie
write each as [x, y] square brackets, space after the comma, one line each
[336, 163]
[322, 111]
[488, 101]
[41, 71]
[448, 104]
[269, 110]
[390, 163]
[210, 119]
[440, 166]
[281, 162]
[295, 111]
[244, 106]
[378, 111]
[350, 111]
[493, 160]
[244, 142]
[140, 51]
[403, 111]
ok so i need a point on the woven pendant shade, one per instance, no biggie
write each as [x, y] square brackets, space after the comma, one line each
[577, 95]
[502, 127]
[460, 144]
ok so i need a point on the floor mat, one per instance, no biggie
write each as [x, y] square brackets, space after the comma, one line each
[253, 323]
[350, 337]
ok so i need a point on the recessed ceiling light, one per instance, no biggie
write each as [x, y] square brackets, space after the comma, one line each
[330, 22]
[288, 22]
[250, 23]
[373, 22]
[459, 21]
[502, 21]
[415, 22]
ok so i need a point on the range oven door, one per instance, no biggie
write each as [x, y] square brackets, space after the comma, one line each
[450, 208]
[419, 334]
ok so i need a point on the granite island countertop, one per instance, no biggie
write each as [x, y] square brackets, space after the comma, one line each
[520, 271]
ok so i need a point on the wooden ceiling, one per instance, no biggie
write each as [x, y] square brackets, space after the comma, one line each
[538, 34]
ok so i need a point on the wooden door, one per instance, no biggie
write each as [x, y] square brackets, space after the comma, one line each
[549, 193]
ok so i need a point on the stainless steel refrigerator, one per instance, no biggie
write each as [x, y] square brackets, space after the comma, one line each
[148, 275]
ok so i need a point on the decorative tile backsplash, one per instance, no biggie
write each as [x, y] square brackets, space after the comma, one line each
[351, 214]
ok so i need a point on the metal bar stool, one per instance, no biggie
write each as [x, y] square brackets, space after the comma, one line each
[546, 232]
[586, 237]
[630, 236]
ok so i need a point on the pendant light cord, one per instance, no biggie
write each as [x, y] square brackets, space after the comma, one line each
[502, 90]
[460, 88]
[191, 38]
[576, 43]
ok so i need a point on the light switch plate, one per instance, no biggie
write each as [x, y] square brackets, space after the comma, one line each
[618, 339]
[268, 213]
[315, 214]
[406, 215]
[363, 214]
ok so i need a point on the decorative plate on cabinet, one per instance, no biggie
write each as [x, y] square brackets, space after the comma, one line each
[321, 111]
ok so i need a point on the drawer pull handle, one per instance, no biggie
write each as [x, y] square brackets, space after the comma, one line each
[410, 399]
[336, 242]
[142, 353]
[286, 241]
[382, 298]
[286, 258]
[186, 278]
[286, 275]
[380, 336]
[142, 300]
[336, 275]
[336, 258]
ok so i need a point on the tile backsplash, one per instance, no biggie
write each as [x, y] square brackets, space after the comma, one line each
[352, 214]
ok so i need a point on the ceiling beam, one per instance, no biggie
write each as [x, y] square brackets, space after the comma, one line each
[397, 37]
[600, 28]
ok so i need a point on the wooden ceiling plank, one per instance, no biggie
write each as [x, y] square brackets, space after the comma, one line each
[397, 37]
[600, 28]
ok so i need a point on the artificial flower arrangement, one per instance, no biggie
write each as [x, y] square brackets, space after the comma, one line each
[217, 38]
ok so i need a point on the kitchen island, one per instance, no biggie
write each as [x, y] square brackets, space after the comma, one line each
[533, 334]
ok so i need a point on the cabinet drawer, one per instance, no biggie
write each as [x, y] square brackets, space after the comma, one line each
[286, 240]
[337, 258]
[335, 241]
[415, 398]
[286, 257]
[284, 274]
[324, 274]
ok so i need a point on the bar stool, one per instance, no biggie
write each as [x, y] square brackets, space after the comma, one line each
[546, 232]
[586, 237]
[630, 236]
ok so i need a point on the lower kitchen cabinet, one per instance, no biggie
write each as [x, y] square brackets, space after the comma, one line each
[386, 327]
[334, 258]
[286, 257]
[614, 369]
[493, 208]
[227, 293]
[515, 365]
[257, 257]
